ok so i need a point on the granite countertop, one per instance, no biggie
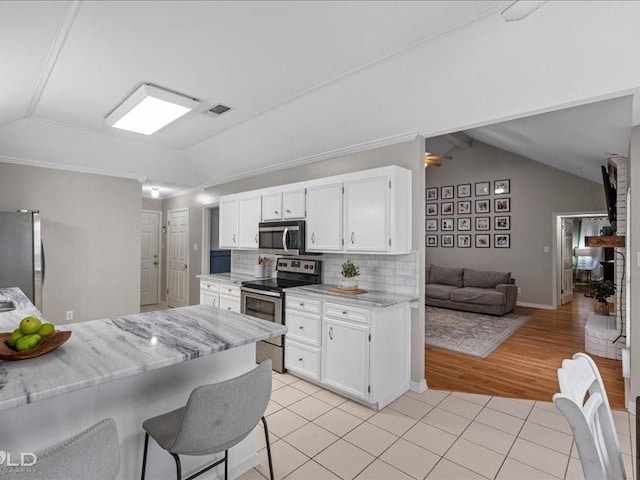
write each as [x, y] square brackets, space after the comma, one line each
[229, 277]
[103, 350]
[370, 299]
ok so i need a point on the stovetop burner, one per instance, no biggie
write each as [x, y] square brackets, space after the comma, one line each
[292, 272]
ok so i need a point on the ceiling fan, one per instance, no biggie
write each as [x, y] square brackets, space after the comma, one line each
[433, 159]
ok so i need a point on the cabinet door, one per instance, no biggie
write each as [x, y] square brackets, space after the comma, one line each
[366, 207]
[207, 298]
[249, 218]
[345, 357]
[230, 303]
[228, 224]
[324, 218]
[293, 204]
[272, 207]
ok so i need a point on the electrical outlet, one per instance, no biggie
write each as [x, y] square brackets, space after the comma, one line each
[519, 290]
[69, 315]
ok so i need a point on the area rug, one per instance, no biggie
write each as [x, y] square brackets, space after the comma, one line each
[471, 333]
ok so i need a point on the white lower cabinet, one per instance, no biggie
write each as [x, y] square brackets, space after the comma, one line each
[209, 293]
[222, 295]
[362, 353]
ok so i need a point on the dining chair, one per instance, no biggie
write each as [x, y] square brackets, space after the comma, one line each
[583, 401]
[215, 418]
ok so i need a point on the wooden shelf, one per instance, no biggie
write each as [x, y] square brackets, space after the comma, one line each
[611, 241]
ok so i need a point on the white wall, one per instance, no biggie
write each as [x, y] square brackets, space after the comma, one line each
[91, 232]
[537, 192]
[633, 249]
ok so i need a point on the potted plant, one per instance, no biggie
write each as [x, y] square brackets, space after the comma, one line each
[601, 290]
[350, 273]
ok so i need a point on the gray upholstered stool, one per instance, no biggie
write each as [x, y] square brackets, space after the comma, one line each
[216, 418]
[93, 453]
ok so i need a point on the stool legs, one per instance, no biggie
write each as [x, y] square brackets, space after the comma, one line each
[266, 437]
[178, 466]
[144, 455]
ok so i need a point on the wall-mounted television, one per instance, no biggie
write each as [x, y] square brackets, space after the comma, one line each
[610, 195]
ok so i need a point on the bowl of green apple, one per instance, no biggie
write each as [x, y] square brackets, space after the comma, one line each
[31, 339]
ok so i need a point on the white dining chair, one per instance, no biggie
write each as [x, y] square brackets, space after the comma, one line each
[583, 401]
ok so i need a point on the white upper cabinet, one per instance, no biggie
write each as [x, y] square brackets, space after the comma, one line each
[228, 227]
[293, 203]
[272, 207]
[366, 214]
[324, 218]
[250, 212]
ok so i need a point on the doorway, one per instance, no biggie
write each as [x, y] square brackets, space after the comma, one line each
[150, 257]
[178, 257]
[217, 260]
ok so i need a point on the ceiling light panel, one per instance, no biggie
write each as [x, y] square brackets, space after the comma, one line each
[149, 109]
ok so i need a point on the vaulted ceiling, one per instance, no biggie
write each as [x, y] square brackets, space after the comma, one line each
[302, 78]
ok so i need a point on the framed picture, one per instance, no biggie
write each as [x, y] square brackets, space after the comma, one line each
[431, 225]
[501, 240]
[432, 209]
[482, 189]
[446, 225]
[464, 207]
[464, 241]
[502, 187]
[483, 223]
[502, 222]
[502, 205]
[446, 241]
[432, 240]
[432, 193]
[464, 224]
[483, 206]
[482, 240]
[464, 190]
[446, 208]
[446, 192]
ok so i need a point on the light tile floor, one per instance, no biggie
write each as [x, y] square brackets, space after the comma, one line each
[317, 435]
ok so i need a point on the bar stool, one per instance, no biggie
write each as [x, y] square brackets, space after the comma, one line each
[93, 453]
[215, 418]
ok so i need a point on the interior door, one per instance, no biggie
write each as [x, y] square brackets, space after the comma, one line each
[178, 248]
[149, 258]
[566, 292]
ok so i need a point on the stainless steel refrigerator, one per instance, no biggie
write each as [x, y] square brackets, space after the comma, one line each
[22, 253]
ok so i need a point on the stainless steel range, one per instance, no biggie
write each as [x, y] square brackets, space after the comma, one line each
[265, 299]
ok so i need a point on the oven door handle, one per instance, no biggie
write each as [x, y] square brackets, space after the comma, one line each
[260, 292]
[284, 240]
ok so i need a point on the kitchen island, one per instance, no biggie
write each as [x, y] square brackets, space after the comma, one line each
[129, 368]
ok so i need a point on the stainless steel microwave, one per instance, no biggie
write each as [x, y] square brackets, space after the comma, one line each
[282, 238]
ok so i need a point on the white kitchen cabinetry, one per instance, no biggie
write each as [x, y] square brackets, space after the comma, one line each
[324, 218]
[272, 207]
[230, 297]
[249, 218]
[366, 214]
[362, 353]
[294, 204]
[228, 226]
[209, 293]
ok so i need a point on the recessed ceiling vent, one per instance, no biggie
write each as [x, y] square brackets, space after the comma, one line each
[217, 110]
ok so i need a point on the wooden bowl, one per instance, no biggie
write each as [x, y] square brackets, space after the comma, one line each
[46, 345]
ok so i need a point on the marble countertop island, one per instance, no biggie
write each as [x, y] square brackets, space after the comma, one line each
[100, 351]
[370, 299]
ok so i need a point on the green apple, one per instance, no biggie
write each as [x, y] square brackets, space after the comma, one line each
[27, 342]
[30, 325]
[15, 335]
[46, 329]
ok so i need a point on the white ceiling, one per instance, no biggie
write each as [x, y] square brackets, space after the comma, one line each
[303, 78]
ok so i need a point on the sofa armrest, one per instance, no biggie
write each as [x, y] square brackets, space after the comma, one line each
[511, 294]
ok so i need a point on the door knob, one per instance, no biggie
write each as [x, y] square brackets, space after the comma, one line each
[155, 263]
[185, 266]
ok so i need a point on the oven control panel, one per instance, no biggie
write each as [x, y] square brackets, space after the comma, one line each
[297, 266]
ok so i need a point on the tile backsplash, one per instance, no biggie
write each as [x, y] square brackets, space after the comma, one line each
[384, 273]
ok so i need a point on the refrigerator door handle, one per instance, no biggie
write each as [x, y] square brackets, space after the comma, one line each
[43, 259]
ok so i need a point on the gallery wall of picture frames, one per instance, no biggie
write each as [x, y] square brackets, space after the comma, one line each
[469, 215]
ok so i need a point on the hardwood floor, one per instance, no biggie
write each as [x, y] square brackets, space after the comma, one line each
[525, 365]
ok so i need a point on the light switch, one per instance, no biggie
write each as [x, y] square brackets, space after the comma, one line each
[546, 249]
[195, 247]
[638, 258]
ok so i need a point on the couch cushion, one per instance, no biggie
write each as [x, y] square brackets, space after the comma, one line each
[484, 278]
[479, 296]
[441, 292]
[445, 276]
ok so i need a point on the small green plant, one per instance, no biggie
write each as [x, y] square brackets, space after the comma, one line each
[602, 289]
[349, 270]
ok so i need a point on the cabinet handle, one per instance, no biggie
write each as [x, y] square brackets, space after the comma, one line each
[234, 238]
[344, 312]
[288, 211]
[302, 304]
[228, 308]
[331, 333]
[352, 238]
[256, 238]
[300, 359]
[313, 237]
[301, 327]
[276, 212]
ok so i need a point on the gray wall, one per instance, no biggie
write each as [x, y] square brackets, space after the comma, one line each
[633, 247]
[91, 231]
[214, 241]
[151, 203]
[537, 192]
[409, 155]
